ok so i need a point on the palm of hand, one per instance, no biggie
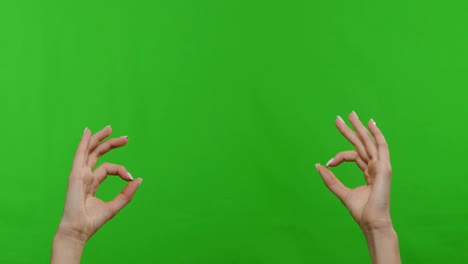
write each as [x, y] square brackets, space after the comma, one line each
[357, 203]
[96, 212]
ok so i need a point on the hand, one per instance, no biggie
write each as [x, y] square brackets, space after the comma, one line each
[84, 213]
[368, 204]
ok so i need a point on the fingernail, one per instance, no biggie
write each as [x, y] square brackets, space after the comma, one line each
[126, 137]
[129, 175]
[373, 121]
[85, 130]
[354, 112]
[316, 166]
[330, 161]
[108, 126]
[341, 119]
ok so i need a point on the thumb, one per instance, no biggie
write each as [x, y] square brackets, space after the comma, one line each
[332, 183]
[125, 196]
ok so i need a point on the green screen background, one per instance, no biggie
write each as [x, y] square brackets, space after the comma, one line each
[228, 105]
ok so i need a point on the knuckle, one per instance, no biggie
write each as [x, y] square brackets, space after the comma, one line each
[98, 153]
[125, 197]
[100, 150]
[94, 141]
[383, 144]
[388, 169]
[80, 173]
[112, 212]
[104, 149]
[331, 182]
[93, 156]
[385, 168]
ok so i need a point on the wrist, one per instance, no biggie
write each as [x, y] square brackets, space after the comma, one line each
[377, 225]
[69, 242]
[382, 242]
[66, 248]
[379, 231]
[67, 232]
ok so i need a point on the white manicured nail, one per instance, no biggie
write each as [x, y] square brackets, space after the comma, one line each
[373, 121]
[330, 161]
[354, 112]
[129, 175]
[341, 119]
[316, 166]
[85, 130]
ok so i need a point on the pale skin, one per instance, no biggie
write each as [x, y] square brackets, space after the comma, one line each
[84, 213]
[369, 204]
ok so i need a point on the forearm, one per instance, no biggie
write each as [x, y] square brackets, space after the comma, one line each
[383, 245]
[66, 249]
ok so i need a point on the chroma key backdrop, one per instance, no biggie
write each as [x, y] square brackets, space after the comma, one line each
[228, 105]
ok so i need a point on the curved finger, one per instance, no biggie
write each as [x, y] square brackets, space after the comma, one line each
[368, 141]
[382, 146]
[105, 147]
[98, 137]
[80, 155]
[101, 173]
[352, 137]
[333, 184]
[106, 169]
[349, 156]
[124, 197]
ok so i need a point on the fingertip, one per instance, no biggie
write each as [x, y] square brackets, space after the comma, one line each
[329, 162]
[340, 119]
[130, 176]
[105, 132]
[124, 141]
[374, 128]
[86, 132]
[138, 182]
[317, 166]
